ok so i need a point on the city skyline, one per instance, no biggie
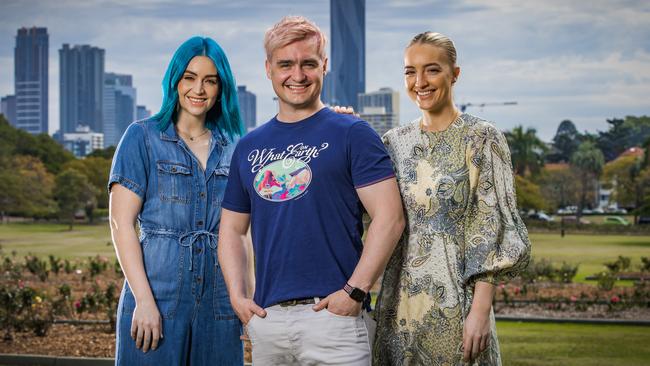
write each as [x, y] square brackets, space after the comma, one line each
[583, 62]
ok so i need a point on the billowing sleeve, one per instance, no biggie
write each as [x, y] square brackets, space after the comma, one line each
[496, 245]
[130, 167]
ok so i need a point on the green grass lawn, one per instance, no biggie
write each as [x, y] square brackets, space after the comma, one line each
[590, 251]
[45, 239]
[536, 344]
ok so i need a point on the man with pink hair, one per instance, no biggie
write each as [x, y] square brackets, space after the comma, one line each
[313, 273]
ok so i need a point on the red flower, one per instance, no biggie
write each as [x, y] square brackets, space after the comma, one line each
[77, 304]
[517, 290]
[615, 299]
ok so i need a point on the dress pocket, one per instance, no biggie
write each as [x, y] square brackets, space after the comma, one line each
[218, 184]
[163, 263]
[220, 299]
[174, 182]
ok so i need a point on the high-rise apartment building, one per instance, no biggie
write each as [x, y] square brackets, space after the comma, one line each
[82, 141]
[142, 112]
[347, 61]
[247, 106]
[81, 87]
[380, 109]
[31, 79]
[8, 108]
[119, 106]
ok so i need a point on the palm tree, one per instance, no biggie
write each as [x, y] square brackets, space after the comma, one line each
[588, 160]
[527, 150]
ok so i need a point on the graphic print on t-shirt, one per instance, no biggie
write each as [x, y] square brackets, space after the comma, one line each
[285, 175]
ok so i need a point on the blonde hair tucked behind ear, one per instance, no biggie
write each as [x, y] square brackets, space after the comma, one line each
[437, 40]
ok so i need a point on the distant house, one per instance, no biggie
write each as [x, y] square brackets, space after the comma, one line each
[606, 200]
[633, 151]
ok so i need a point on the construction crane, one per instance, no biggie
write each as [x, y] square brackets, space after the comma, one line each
[464, 106]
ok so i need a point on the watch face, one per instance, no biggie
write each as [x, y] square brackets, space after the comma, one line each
[357, 295]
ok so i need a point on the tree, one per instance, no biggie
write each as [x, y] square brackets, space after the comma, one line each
[106, 153]
[565, 143]
[623, 134]
[73, 193]
[25, 187]
[529, 195]
[43, 147]
[527, 150]
[588, 160]
[558, 186]
[96, 170]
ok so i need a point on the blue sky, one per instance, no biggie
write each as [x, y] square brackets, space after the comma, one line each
[586, 61]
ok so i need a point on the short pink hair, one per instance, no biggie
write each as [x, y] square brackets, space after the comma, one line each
[293, 29]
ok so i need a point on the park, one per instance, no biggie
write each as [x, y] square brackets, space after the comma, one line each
[74, 281]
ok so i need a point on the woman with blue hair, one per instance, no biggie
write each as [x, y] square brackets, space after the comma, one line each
[169, 173]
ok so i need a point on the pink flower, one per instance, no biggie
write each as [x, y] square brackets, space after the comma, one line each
[517, 290]
[615, 299]
[77, 304]
[573, 298]
[21, 284]
[502, 286]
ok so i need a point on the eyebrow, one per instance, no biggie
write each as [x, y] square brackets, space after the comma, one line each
[427, 65]
[195, 74]
[290, 61]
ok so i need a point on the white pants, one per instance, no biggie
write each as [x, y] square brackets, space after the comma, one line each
[297, 335]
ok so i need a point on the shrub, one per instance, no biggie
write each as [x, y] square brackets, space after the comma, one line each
[545, 270]
[566, 272]
[37, 267]
[606, 280]
[645, 264]
[55, 264]
[621, 264]
[97, 265]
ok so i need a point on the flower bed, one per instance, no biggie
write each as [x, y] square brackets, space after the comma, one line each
[36, 293]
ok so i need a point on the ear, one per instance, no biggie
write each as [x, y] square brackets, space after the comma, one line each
[325, 65]
[456, 72]
[267, 65]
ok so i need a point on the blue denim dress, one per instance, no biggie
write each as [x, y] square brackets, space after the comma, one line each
[179, 223]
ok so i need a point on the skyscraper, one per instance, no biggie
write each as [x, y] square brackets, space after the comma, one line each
[347, 62]
[8, 108]
[31, 79]
[142, 112]
[384, 97]
[82, 87]
[380, 109]
[247, 106]
[119, 106]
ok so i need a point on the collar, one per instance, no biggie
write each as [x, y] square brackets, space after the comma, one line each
[170, 134]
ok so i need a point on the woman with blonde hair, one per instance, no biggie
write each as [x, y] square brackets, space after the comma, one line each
[464, 234]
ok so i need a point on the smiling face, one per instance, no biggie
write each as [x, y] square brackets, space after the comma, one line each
[429, 77]
[198, 89]
[296, 72]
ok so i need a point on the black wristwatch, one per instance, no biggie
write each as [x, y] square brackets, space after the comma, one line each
[356, 294]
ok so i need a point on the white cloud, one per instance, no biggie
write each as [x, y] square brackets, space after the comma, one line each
[584, 61]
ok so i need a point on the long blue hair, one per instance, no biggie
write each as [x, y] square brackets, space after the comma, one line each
[224, 115]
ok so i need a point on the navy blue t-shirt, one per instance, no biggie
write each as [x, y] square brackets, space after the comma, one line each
[297, 181]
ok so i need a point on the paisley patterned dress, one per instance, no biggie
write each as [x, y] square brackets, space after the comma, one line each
[463, 226]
